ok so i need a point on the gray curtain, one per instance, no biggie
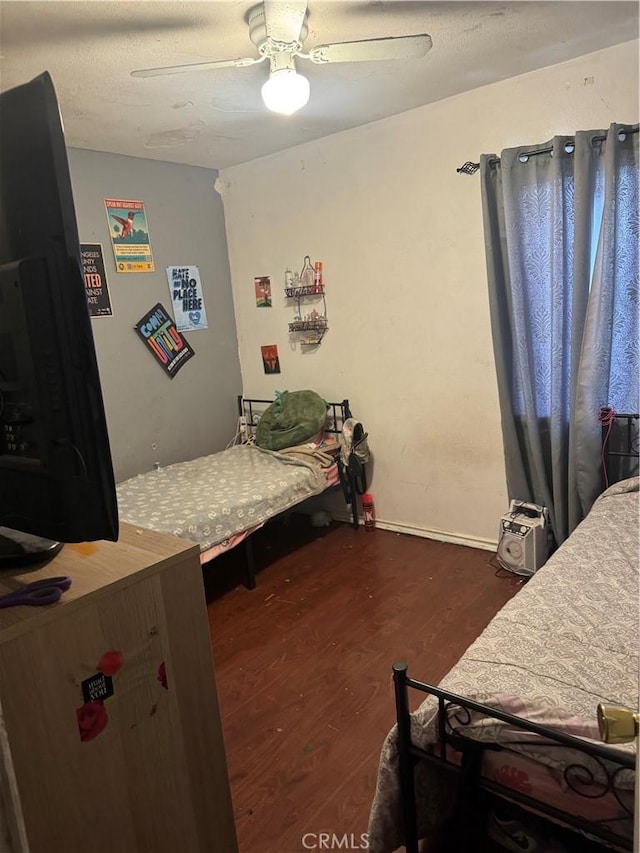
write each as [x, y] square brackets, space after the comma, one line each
[561, 236]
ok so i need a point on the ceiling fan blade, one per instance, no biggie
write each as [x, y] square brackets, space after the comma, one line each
[195, 66]
[394, 47]
[284, 20]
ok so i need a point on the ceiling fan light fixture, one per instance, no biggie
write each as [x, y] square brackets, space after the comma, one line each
[285, 91]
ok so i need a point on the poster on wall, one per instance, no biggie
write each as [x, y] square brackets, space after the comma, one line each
[95, 280]
[129, 235]
[262, 286]
[159, 333]
[270, 359]
[187, 298]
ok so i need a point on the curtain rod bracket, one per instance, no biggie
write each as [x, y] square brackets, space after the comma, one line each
[468, 168]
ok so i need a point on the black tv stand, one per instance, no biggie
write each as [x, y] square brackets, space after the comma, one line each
[19, 549]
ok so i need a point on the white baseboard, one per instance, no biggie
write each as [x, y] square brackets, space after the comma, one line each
[428, 533]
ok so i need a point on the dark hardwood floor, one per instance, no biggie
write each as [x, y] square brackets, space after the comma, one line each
[303, 664]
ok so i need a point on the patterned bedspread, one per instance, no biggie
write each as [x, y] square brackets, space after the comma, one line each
[567, 641]
[209, 499]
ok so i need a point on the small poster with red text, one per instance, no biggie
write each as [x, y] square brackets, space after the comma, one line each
[129, 234]
[95, 280]
[159, 333]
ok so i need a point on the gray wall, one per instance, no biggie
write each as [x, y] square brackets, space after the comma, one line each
[195, 412]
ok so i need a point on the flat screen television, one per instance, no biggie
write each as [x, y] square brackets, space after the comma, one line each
[56, 476]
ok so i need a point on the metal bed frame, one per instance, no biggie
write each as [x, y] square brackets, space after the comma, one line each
[610, 761]
[252, 410]
[469, 771]
[619, 442]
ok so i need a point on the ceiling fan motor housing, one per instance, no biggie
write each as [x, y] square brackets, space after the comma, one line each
[266, 45]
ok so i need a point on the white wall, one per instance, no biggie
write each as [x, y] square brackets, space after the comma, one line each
[400, 235]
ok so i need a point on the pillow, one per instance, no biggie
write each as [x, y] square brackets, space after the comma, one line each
[293, 418]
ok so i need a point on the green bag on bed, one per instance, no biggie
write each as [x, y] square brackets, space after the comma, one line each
[293, 418]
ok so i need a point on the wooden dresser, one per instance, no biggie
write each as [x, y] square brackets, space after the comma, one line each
[142, 769]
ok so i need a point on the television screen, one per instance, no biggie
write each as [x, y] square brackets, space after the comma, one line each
[56, 477]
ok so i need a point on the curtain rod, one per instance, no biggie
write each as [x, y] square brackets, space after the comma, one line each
[470, 168]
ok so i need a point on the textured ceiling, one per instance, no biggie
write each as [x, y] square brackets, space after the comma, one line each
[216, 118]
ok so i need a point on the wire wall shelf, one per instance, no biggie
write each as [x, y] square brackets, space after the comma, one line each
[304, 290]
[308, 329]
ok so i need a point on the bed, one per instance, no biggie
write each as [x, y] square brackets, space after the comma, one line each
[219, 500]
[515, 719]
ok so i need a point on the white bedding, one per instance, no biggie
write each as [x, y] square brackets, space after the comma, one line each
[567, 641]
[209, 499]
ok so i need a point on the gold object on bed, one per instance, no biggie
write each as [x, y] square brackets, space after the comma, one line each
[617, 725]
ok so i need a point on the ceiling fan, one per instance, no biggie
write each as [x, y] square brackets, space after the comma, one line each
[278, 29]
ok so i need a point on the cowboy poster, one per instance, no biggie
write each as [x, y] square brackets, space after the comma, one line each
[129, 235]
[187, 298]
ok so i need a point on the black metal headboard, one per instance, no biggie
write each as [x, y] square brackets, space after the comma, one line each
[620, 444]
[337, 413]
[253, 409]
